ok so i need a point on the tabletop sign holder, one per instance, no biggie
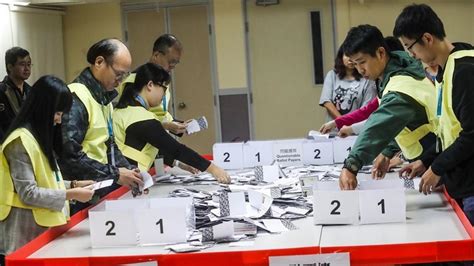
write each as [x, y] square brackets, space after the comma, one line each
[382, 201]
[342, 147]
[228, 155]
[333, 206]
[157, 224]
[318, 153]
[258, 153]
[376, 201]
[283, 152]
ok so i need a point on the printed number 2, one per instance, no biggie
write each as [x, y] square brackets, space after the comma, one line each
[338, 204]
[112, 226]
[317, 153]
[381, 203]
[160, 223]
[227, 157]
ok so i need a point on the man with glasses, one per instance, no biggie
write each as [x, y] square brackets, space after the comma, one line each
[89, 150]
[13, 88]
[167, 51]
[450, 161]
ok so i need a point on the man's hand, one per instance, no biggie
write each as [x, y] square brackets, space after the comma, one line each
[84, 183]
[80, 194]
[347, 180]
[345, 131]
[130, 178]
[416, 168]
[428, 182]
[175, 127]
[327, 127]
[380, 167]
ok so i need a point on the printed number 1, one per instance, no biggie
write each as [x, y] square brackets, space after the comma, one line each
[160, 223]
[382, 205]
[258, 156]
[227, 157]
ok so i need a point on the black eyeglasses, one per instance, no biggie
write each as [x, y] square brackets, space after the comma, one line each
[417, 40]
[119, 76]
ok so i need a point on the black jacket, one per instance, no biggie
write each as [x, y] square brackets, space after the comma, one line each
[74, 163]
[455, 164]
[11, 100]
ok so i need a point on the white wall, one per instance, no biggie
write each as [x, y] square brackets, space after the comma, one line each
[38, 31]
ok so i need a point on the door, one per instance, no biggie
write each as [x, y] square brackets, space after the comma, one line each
[191, 87]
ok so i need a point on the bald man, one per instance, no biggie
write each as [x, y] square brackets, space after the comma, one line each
[89, 151]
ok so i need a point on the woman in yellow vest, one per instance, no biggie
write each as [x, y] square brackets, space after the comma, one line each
[34, 196]
[138, 132]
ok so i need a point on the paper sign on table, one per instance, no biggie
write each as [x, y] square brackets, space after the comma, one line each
[382, 206]
[228, 155]
[342, 147]
[258, 153]
[288, 152]
[112, 228]
[161, 226]
[318, 153]
[335, 207]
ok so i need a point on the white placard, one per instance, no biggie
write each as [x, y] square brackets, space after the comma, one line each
[392, 183]
[335, 207]
[126, 205]
[237, 204]
[166, 225]
[112, 228]
[327, 185]
[184, 204]
[258, 153]
[228, 155]
[317, 153]
[342, 147]
[334, 259]
[382, 206]
[288, 152]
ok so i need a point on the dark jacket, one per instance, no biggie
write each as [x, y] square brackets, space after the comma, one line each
[74, 163]
[396, 111]
[455, 164]
[11, 100]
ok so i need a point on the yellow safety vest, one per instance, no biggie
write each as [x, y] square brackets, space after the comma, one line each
[449, 126]
[97, 134]
[45, 178]
[123, 118]
[424, 93]
[160, 112]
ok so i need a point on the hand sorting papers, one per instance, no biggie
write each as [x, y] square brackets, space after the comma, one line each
[196, 125]
[102, 184]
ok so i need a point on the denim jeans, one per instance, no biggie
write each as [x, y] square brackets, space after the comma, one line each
[468, 208]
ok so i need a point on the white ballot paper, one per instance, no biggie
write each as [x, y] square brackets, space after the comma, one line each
[196, 125]
[147, 180]
[101, 184]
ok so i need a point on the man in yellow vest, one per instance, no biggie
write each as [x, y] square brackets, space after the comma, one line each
[89, 150]
[451, 160]
[406, 111]
[167, 51]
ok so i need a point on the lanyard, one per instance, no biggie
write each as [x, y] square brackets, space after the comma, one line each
[140, 99]
[440, 99]
[56, 173]
[108, 118]
[164, 102]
